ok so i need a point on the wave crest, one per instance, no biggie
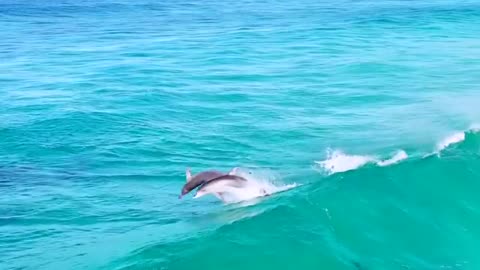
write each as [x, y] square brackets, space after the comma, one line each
[452, 139]
[399, 156]
[337, 161]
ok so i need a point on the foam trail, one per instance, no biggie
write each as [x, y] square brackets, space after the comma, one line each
[452, 139]
[338, 161]
[257, 186]
[399, 156]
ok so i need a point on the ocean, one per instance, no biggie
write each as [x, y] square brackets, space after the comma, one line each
[364, 114]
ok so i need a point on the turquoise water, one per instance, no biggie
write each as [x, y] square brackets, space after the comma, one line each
[370, 107]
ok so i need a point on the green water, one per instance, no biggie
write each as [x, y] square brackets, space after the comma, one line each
[369, 107]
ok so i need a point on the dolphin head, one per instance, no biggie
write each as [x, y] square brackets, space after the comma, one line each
[184, 192]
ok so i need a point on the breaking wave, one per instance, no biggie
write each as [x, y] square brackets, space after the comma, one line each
[452, 139]
[337, 161]
[399, 156]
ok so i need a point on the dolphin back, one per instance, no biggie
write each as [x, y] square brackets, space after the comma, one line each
[233, 180]
[202, 178]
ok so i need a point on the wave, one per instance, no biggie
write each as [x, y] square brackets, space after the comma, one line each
[399, 156]
[337, 161]
[452, 139]
[474, 128]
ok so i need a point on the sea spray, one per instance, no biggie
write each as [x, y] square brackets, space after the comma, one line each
[452, 139]
[337, 161]
[399, 156]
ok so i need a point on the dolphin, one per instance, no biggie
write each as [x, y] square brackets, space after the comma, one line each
[221, 185]
[200, 179]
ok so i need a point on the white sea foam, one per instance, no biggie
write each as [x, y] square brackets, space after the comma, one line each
[337, 161]
[452, 139]
[399, 156]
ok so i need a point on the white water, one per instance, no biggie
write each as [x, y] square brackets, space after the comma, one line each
[399, 156]
[337, 161]
[452, 139]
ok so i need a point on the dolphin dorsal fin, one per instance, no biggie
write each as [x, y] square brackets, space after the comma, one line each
[188, 175]
[233, 171]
